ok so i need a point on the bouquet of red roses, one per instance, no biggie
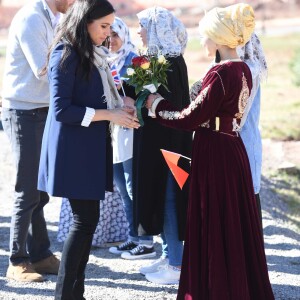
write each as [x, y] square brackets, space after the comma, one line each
[147, 70]
[146, 73]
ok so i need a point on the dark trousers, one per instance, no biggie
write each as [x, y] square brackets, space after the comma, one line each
[28, 232]
[76, 250]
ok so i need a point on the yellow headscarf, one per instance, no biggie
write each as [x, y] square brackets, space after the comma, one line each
[231, 26]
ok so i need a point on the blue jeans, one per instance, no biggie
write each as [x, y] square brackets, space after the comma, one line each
[172, 247]
[28, 230]
[76, 251]
[123, 180]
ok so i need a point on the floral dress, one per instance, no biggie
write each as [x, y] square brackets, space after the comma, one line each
[112, 226]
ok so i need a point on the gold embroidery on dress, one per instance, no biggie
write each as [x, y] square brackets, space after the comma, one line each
[205, 124]
[244, 96]
[220, 80]
[174, 115]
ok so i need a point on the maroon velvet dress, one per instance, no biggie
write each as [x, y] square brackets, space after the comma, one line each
[224, 256]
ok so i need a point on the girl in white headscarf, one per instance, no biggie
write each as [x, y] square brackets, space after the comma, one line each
[122, 51]
[160, 204]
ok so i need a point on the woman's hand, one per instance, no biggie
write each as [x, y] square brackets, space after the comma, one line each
[121, 116]
[124, 117]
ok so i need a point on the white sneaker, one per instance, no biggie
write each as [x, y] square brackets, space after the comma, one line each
[154, 267]
[166, 275]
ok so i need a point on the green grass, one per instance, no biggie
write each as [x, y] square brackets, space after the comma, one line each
[280, 110]
[280, 114]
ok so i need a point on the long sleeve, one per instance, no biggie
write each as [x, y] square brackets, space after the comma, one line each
[198, 111]
[34, 41]
[62, 81]
[30, 35]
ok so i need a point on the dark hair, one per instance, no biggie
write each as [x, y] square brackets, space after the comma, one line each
[106, 43]
[218, 57]
[73, 31]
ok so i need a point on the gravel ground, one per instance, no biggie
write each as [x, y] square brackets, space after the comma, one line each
[108, 277]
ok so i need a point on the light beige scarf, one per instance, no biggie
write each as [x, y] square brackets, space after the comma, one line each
[111, 94]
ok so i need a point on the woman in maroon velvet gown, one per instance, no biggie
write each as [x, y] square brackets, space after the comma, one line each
[224, 255]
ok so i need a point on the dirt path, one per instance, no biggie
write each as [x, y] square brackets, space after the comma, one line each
[110, 278]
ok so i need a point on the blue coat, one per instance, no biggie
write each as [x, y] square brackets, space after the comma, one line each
[74, 159]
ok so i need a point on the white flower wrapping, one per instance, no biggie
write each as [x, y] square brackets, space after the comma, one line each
[150, 87]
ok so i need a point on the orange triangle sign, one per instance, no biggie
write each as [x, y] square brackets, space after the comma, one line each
[179, 174]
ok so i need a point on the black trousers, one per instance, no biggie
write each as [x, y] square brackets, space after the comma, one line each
[28, 231]
[76, 250]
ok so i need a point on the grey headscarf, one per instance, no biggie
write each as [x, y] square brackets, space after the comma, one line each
[252, 54]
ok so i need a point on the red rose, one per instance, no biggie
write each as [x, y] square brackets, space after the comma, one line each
[136, 61]
[139, 60]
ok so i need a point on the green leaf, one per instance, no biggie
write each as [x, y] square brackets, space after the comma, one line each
[138, 89]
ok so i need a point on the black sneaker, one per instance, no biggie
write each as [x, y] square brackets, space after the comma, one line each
[127, 246]
[139, 252]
